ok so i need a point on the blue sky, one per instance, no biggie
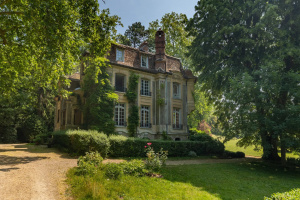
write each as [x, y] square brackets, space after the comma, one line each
[146, 11]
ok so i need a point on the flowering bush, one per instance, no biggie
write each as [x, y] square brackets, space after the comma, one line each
[155, 161]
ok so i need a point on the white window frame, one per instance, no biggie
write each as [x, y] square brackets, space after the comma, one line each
[145, 117]
[120, 55]
[120, 114]
[145, 87]
[146, 61]
[176, 93]
[176, 118]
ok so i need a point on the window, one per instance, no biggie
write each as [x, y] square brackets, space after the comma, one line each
[176, 90]
[120, 114]
[120, 55]
[120, 83]
[144, 61]
[145, 87]
[176, 119]
[145, 117]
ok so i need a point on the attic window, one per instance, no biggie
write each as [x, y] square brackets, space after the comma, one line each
[144, 61]
[120, 55]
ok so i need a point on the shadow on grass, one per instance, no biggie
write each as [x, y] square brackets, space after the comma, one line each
[252, 180]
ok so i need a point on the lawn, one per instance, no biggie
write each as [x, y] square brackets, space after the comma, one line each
[206, 181]
[250, 150]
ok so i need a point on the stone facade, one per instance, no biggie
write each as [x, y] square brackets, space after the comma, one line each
[165, 92]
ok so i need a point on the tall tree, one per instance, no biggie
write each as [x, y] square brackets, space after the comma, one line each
[136, 34]
[40, 42]
[247, 53]
[177, 38]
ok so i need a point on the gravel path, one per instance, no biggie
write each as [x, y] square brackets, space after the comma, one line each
[29, 172]
[32, 172]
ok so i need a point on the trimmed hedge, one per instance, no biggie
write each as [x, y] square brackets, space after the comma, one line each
[79, 142]
[135, 147]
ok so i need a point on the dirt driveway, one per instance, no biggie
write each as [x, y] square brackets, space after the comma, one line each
[31, 172]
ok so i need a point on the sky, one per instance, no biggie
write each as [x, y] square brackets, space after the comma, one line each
[146, 11]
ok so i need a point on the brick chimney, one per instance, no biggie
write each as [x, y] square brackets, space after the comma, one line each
[144, 47]
[160, 53]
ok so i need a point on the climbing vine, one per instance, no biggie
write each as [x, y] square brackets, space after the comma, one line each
[98, 109]
[131, 94]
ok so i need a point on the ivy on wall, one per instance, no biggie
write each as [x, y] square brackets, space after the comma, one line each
[131, 94]
[98, 109]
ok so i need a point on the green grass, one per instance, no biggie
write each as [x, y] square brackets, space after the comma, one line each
[250, 150]
[207, 181]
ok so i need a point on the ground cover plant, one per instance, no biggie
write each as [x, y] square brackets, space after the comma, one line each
[207, 181]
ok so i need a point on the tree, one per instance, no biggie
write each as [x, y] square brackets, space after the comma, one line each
[40, 43]
[135, 34]
[247, 54]
[177, 38]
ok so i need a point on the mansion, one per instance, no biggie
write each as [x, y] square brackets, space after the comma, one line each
[165, 92]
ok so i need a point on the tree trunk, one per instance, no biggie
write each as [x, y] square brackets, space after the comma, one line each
[283, 151]
[269, 145]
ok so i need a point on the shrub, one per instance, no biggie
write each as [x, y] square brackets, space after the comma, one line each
[8, 125]
[194, 131]
[192, 154]
[134, 168]
[294, 161]
[154, 160]
[42, 138]
[230, 154]
[113, 170]
[88, 164]
[31, 127]
[80, 141]
[291, 195]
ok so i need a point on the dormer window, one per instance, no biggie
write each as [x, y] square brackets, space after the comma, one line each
[144, 61]
[120, 55]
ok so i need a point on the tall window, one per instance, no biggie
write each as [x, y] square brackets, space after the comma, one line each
[145, 87]
[120, 55]
[120, 83]
[120, 114]
[176, 90]
[145, 117]
[144, 61]
[176, 119]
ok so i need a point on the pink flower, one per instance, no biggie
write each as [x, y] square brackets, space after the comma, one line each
[145, 146]
[149, 144]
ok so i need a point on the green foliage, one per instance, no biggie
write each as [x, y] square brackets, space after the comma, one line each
[31, 127]
[155, 161]
[8, 125]
[231, 154]
[42, 138]
[165, 136]
[79, 142]
[294, 194]
[134, 35]
[113, 171]
[192, 154]
[99, 105]
[250, 69]
[177, 38]
[88, 164]
[131, 94]
[121, 146]
[134, 168]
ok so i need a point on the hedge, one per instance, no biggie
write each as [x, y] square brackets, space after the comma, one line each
[79, 141]
[122, 146]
